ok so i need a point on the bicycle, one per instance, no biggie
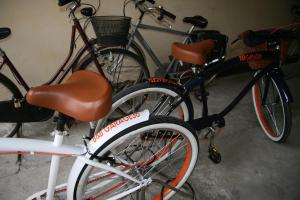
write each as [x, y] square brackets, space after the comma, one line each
[129, 158]
[13, 104]
[271, 95]
[292, 60]
[174, 69]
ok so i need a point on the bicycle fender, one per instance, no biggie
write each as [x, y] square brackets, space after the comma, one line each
[164, 81]
[116, 127]
[98, 140]
[278, 77]
[160, 80]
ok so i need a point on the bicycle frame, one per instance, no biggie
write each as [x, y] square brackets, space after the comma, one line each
[136, 33]
[84, 153]
[32, 114]
[151, 53]
[272, 70]
[66, 66]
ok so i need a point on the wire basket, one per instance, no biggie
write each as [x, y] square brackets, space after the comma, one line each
[264, 47]
[111, 30]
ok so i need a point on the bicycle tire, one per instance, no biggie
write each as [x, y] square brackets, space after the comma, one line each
[119, 79]
[276, 132]
[147, 90]
[136, 49]
[149, 164]
[9, 91]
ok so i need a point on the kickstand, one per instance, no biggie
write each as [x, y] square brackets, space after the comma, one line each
[19, 158]
[186, 194]
[213, 153]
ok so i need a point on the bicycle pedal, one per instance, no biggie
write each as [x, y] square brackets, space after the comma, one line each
[214, 155]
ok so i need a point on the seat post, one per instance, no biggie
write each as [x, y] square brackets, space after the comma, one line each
[55, 160]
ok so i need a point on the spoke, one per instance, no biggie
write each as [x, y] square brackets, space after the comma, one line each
[161, 169]
[159, 104]
[168, 163]
[274, 121]
[160, 151]
[117, 186]
[169, 101]
[139, 159]
[131, 144]
[146, 149]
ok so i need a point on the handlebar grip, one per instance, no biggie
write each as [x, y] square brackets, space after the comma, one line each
[170, 15]
[64, 2]
[151, 1]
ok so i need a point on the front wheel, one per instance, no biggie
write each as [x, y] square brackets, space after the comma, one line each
[273, 113]
[121, 67]
[158, 151]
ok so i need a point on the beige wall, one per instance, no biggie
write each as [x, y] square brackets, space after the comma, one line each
[40, 29]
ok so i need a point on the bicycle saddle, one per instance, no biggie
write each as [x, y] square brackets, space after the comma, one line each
[85, 96]
[4, 33]
[195, 53]
[254, 38]
[197, 20]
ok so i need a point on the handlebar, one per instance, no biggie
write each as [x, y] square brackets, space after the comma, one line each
[151, 1]
[143, 7]
[253, 38]
[166, 13]
[64, 2]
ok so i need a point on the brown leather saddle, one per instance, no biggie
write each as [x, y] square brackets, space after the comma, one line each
[85, 96]
[195, 53]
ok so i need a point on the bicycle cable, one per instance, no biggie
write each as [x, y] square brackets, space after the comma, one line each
[87, 19]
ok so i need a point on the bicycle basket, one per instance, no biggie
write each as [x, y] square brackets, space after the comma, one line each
[264, 47]
[111, 30]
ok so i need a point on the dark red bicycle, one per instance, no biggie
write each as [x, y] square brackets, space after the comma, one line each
[14, 110]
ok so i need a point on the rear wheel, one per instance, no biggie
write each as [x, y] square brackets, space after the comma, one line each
[8, 92]
[121, 67]
[157, 98]
[273, 113]
[158, 151]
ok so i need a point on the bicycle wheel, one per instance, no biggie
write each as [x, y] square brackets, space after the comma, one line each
[122, 67]
[8, 91]
[157, 98]
[273, 114]
[160, 150]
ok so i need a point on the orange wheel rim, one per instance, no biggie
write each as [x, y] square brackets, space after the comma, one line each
[259, 110]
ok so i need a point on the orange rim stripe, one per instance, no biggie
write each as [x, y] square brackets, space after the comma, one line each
[258, 107]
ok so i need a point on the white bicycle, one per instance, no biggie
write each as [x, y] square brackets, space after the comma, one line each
[135, 157]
